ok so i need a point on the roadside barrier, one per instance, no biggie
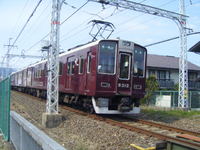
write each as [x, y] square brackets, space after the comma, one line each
[25, 136]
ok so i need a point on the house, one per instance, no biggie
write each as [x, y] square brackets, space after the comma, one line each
[166, 70]
[195, 48]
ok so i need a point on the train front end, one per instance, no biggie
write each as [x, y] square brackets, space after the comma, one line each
[120, 77]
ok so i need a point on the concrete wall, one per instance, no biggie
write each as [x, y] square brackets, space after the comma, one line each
[25, 136]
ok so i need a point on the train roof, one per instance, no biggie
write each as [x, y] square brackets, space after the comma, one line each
[72, 50]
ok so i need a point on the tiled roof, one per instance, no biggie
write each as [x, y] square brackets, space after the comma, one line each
[195, 48]
[171, 62]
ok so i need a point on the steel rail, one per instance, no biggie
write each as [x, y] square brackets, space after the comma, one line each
[163, 126]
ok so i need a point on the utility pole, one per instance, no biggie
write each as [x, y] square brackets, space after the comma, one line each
[180, 20]
[51, 118]
[183, 65]
[9, 46]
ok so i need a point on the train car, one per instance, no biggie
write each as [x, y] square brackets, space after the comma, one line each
[106, 76]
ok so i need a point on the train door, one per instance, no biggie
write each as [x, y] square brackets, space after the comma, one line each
[61, 76]
[124, 74]
[24, 78]
[70, 72]
[88, 71]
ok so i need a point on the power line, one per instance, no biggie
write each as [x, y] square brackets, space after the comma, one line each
[20, 15]
[86, 21]
[94, 14]
[27, 21]
[60, 24]
[74, 12]
[40, 18]
[144, 22]
[170, 39]
[37, 42]
[75, 33]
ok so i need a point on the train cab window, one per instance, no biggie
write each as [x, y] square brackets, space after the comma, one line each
[124, 66]
[139, 61]
[89, 63]
[81, 62]
[107, 57]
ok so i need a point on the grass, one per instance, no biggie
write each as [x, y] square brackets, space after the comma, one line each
[168, 115]
[171, 113]
[4, 145]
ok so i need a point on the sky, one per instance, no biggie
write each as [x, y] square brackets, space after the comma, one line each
[129, 25]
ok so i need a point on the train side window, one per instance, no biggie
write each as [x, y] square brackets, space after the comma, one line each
[60, 68]
[81, 62]
[40, 72]
[72, 67]
[68, 67]
[35, 73]
[89, 63]
[45, 70]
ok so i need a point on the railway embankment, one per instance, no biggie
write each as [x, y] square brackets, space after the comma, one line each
[80, 132]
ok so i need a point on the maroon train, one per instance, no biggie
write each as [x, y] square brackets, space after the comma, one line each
[107, 76]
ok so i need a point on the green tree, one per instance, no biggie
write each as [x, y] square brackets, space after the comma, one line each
[151, 86]
[176, 87]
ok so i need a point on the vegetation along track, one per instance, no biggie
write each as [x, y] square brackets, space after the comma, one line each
[149, 128]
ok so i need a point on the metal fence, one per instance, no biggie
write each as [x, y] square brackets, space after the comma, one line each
[5, 108]
[170, 99]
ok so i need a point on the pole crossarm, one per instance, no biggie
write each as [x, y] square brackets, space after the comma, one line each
[142, 8]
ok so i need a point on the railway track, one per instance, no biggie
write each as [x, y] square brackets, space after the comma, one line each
[154, 125]
[156, 132]
[160, 131]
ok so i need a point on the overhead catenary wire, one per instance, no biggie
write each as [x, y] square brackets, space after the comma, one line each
[85, 21]
[46, 35]
[170, 39]
[27, 22]
[20, 16]
[39, 19]
[74, 12]
[144, 22]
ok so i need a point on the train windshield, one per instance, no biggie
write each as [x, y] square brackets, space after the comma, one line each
[107, 56]
[139, 61]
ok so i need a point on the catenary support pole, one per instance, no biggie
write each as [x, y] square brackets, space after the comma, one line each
[52, 118]
[183, 65]
[53, 62]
